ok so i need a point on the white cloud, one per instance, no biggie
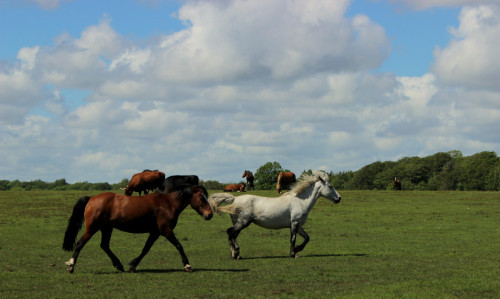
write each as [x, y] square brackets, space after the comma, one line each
[248, 82]
[471, 57]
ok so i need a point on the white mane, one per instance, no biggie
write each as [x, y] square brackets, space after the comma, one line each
[307, 180]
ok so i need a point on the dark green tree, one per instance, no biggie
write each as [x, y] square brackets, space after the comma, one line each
[267, 175]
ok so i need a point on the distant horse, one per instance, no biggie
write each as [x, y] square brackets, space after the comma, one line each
[235, 188]
[148, 180]
[289, 210]
[396, 184]
[156, 214]
[285, 180]
[249, 175]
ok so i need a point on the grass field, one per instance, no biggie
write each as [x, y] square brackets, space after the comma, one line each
[374, 244]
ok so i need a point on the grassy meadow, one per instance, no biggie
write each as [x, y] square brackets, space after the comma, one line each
[374, 244]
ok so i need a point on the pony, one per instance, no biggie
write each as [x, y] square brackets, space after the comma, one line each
[285, 180]
[249, 175]
[290, 210]
[156, 214]
[235, 188]
[396, 184]
[145, 181]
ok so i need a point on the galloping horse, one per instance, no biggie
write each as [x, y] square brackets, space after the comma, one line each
[289, 210]
[156, 214]
[235, 188]
[396, 184]
[285, 180]
[249, 175]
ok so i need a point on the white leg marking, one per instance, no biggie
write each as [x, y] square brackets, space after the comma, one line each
[71, 262]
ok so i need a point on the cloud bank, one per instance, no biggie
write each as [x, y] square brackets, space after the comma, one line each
[245, 83]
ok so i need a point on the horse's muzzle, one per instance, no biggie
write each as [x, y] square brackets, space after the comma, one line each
[337, 200]
[208, 216]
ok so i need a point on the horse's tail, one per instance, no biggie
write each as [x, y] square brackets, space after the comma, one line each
[217, 199]
[75, 223]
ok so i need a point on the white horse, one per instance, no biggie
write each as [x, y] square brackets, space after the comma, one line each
[289, 210]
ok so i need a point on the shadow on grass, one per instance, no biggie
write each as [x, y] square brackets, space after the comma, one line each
[304, 256]
[175, 271]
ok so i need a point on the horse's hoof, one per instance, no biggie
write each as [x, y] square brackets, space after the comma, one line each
[120, 268]
[188, 268]
[297, 256]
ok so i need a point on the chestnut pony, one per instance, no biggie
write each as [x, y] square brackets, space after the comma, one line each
[285, 180]
[235, 188]
[156, 214]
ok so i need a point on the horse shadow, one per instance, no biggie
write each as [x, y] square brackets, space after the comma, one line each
[306, 256]
[163, 271]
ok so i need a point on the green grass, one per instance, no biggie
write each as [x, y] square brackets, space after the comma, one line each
[374, 244]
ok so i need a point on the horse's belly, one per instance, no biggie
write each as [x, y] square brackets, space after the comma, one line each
[273, 223]
[137, 226]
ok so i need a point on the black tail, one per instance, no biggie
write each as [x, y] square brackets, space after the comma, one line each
[74, 224]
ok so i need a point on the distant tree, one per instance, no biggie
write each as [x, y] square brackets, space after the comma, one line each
[473, 171]
[493, 179]
[364, 178]
[266, 176]
[212, 185]
[122, 184]
[4, 185]
[60, 184]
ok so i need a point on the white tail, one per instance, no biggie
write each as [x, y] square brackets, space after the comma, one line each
[215, 200]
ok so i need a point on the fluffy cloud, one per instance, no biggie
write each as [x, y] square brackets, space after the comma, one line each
[247, 82]
[470, 59]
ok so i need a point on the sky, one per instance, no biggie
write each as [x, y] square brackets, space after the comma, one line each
[99, 90]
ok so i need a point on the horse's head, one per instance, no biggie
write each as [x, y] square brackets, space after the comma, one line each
[199, 202]
[326, 188]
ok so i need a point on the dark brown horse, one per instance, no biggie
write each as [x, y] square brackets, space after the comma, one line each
[249, 175]
[156, 214]
[285, 180]
[396, 184]
[235, 188]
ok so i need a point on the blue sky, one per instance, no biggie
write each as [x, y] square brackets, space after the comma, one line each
[98, 90]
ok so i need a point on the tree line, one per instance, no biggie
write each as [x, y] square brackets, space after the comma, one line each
[441, 171]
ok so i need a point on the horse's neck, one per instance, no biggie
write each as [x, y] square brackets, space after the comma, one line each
[310, 195]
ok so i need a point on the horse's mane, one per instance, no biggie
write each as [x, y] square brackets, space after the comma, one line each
[307, 180]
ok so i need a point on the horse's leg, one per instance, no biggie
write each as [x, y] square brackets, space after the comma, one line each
[294, 227]
[149, 243]
[171, 237]
[79, 246]
[301, 247]
[106, 237]
[239, 223]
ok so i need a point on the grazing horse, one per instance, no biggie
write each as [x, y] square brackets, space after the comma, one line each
[177, 182]
[235, 188]
[289, 210]
[249, 175]
[145, 181]
[285, 180]
[156, 214]
[396, 184]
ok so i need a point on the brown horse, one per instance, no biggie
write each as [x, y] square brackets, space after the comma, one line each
[285, 180]
[396, 184]
[235, 188]
[156, 214]
[249, 175]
